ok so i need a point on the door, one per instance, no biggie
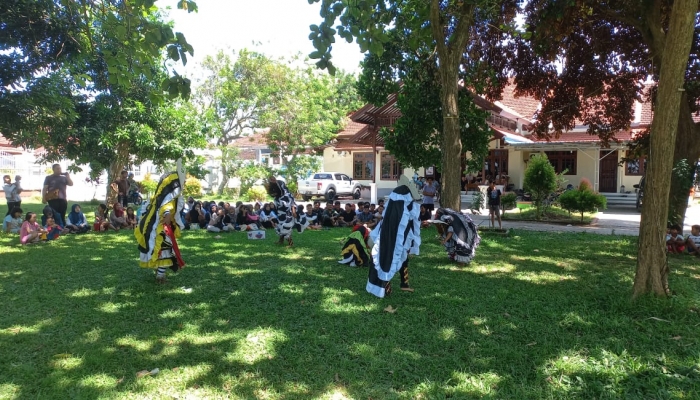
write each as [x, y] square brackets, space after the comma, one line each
[607, 175]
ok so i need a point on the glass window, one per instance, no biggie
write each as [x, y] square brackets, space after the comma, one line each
[363, 166]
[390, 167]
[563, 161]
[635, 167]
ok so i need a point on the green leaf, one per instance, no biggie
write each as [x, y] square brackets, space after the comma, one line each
[315, 55]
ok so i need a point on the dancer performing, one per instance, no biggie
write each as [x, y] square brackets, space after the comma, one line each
[355, 252]
[286, 209]
[161, 224]
[396, 236]
[459, 235]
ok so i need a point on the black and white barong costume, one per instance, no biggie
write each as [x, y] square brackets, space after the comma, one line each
[396, 236]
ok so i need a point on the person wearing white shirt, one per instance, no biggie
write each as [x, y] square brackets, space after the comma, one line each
[12, 191]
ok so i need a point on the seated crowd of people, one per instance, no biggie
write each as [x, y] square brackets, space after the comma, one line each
[679, 244]
[224, 217]
[51, 224]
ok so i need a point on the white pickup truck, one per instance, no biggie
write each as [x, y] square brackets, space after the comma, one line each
[329, 185]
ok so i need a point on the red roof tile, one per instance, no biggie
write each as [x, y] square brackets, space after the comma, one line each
[525, 106]
[585, 137]
[351, 128]
[257, 140]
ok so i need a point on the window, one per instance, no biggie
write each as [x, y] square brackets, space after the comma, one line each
[363, 166]
[323, 176]
[391, 168]
[495, 164]
[636, 167]
[563, 160]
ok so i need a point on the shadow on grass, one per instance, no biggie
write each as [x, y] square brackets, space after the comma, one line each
[267, 321]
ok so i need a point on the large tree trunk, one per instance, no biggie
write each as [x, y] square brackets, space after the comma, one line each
[224, 179]
[652, 269]
[688, 148]
[452, 143]
[117, 165]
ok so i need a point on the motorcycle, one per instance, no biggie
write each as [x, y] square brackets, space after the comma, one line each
[135, 197]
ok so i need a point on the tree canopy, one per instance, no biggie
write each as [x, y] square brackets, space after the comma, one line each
[454, 39]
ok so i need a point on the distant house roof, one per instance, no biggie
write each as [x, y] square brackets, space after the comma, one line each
[525, 107]
[257, 140]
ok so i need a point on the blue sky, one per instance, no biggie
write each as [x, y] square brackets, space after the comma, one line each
[280, 26]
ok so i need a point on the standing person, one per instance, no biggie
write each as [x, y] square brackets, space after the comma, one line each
[429, 192]
[54, 191]
[494, 198]
[285, 207]
[12, 191]
[121, 186]
[395, 237]
[161, 224]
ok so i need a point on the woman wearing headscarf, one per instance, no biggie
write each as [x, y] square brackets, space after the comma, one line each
[459, 235]
[118, 217]
[77, 223]
[50, 212]
[160, 226]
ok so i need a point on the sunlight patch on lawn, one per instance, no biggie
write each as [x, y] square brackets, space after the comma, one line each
[476, 385]
[99, 381]
[501, 267]
[336, 302]
[36, 328]
[130, 341]
[336, 393]
[112, 308]
[66, 361]
[84, 292]
[10, 274]
[258, 344]
[9, 391]
[92, 336]
[448, 333]
[172, 314]
[236, 270]
[291, 289]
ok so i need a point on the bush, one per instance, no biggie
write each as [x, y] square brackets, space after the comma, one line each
[292, 186]
[256, 193]
[478, 202]
[582, 200]
[148, 185]
[540, 181]
[193, 187]
[509, 201]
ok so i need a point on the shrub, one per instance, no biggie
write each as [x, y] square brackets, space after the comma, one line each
[193, 187]
[148, 185]
[478, 202]
[585, 184]
[292, 186]
[256, 193]
[509, 201]
[582, 200]
[540, 181]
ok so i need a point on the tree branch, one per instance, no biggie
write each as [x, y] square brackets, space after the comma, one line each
[437, 29]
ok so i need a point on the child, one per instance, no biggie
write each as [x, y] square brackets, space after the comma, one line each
[130, 218]
[53, 231]
[693, 241]
[674, 241]
[102, 223]
[13, 221]
[31, 232]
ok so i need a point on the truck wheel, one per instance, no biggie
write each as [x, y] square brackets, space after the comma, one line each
[330, 195]
[356, 194]
[306, 198]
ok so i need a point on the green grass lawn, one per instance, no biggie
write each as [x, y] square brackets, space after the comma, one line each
[525, 212]
[536, 315]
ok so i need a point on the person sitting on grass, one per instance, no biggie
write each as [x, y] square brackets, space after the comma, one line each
[268, 217]
[329, 216]
[675, 242]
[347, 216]
[312, 217]
[50, 212]
[102, 223]
[366, 218]
[118, 217]
[13, 221]
[31, 231]
[130, 218]
[77, 223]
[53, 230]
[693, 241]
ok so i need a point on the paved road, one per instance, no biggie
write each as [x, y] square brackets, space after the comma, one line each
[617, 221]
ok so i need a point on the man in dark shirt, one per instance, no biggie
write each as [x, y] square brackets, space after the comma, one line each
[366, 217]
[121, 186]
[494, 198]
[329, 216]
[347, 217]
[54, 190]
